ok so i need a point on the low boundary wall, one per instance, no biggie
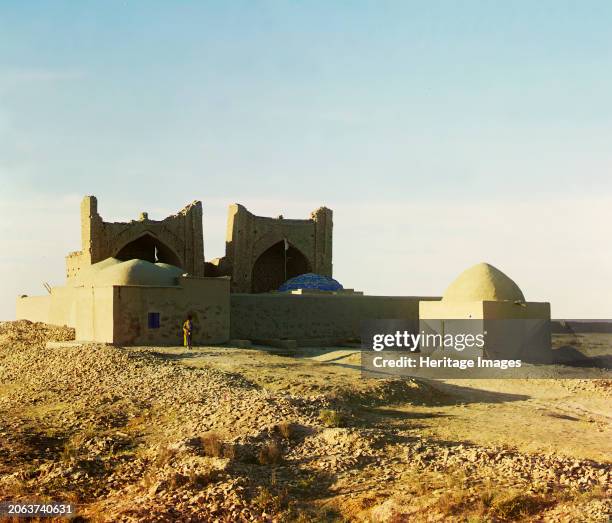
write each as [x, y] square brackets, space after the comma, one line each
[314, 319]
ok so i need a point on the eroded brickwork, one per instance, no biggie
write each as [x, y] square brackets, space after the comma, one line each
[177, 239]
[260, 252]
[294, 246]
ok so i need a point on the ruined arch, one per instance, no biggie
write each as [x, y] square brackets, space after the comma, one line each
[250, 236]
[146, 247]
[276, 265]
[178, 238]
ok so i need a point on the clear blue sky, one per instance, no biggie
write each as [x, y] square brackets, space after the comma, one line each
[485, 121]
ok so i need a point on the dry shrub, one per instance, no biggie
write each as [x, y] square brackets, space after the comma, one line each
[229, 451]
[149, 478]
[455, 478]
[452, 501]
[307, 483]
[286, 430]
[508, 505]
[331, 418]
[269, 501]
[318, 514]
[596, 492]
[212, 445]
[201, 479]
[164, 456]
[490, 501]
[73, 447]
[485, 499]
[70, 452]
[419, 482]
[513, 505]
[270, 454]
[177, 480]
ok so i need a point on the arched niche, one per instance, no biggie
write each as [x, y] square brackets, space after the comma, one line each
[148, 247]
[276, 265]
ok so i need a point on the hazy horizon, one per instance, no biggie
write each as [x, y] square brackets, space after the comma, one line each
[441, 135]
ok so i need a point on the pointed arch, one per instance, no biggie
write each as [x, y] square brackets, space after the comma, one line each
[276, 265]
[150, 248]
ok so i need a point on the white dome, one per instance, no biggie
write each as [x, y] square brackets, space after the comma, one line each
[137, 272]
[483, 282]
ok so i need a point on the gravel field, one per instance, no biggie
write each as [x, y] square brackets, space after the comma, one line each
[226, 434]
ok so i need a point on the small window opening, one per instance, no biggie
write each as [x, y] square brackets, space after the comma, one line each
[154, 321]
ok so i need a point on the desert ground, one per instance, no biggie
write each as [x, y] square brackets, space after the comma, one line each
[257, 434]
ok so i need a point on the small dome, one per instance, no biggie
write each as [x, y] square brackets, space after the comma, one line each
[104, 264]
[137, 272]
[177, 271]
[483, 282]
[311, 280]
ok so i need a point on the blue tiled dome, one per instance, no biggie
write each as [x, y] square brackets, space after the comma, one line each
[311, 281]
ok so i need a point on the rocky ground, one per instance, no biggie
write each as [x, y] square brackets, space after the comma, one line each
[227, 434]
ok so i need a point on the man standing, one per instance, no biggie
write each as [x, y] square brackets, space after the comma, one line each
[187, 331]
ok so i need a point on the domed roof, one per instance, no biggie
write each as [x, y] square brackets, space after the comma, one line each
[177, 271]
[137, 272]
[311, 280]
[483, 282]
[104, 264]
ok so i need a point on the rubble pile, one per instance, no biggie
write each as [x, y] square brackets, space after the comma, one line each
[538, 472]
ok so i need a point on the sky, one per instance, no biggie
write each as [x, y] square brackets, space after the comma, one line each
[441, 133]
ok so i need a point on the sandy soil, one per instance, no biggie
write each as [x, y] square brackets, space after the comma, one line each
[567, 417]
[255, 434]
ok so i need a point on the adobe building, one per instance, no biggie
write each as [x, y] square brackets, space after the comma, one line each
[483, 300]
[176, 240]
[134, 302]
[134, 283]
[262, 253]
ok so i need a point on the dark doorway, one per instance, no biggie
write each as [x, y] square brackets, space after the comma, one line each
[148, 248]
[269, 269]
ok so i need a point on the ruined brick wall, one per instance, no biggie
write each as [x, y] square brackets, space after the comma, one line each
[250, 237]
[178, 238]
